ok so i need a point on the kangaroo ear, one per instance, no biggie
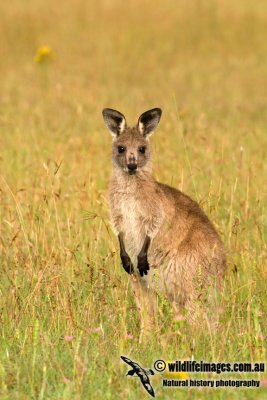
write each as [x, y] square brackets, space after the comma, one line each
[114, 120]
[148, 121]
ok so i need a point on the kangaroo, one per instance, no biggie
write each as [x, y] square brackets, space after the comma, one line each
[167, 243]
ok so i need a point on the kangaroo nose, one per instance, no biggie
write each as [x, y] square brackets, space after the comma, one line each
[132, 167]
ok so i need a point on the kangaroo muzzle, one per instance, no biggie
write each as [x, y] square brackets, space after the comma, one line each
[132, 168]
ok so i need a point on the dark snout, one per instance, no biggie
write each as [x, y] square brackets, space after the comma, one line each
[132, 168]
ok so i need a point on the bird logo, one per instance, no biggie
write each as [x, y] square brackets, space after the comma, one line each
[141, 373]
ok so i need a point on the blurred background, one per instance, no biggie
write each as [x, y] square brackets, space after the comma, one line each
[203, 62]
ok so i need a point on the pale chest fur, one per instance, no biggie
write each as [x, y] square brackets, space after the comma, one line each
[134, 213]
[131, 211]
[127, 213]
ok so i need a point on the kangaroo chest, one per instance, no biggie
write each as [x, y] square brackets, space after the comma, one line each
[136, 212]
[132, 212]
[132, 218]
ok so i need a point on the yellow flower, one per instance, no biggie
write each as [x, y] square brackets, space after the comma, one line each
[174, 375]
[43, 55]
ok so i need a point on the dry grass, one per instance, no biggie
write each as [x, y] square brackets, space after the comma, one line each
[66, 308]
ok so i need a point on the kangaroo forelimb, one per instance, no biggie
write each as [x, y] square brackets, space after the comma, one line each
[125, 259]
[142, 263]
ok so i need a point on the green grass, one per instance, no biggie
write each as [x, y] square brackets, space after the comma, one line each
[66, 306]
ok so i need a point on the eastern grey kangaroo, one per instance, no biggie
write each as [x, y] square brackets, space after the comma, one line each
[167, 243]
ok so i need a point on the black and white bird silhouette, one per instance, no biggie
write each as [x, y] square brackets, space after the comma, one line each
[141, 373]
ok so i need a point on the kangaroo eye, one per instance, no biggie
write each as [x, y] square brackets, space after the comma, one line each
[121, 149]
[142, 150]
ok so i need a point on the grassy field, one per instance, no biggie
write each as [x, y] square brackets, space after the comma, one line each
[67, 313]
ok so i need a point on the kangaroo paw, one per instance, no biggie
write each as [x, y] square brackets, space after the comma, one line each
[143, 265]
[127, 264]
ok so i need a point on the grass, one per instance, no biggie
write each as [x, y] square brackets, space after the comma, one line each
[67, 313]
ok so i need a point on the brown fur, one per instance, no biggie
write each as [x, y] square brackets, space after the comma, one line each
[186, 255]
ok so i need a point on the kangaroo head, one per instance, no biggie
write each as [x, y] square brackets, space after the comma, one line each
[130, 150]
